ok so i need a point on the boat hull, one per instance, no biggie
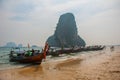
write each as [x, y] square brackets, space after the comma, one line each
[30, 59]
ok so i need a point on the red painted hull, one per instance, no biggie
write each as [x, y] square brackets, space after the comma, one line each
[30, 59]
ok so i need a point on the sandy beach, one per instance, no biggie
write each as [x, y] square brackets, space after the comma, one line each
[100, 65]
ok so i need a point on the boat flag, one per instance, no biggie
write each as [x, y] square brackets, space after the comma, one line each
[45, 50]
[28, 45]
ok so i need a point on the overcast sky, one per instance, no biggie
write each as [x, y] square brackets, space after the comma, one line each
[33, 21]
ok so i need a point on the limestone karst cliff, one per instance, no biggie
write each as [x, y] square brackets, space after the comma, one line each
[66, 34]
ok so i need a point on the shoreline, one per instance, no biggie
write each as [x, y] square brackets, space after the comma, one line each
[101, 65]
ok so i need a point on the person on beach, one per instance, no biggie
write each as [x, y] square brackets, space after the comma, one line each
[29, 53]
[33, 51]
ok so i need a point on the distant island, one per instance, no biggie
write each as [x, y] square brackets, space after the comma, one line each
[66, 34]
[13, 44]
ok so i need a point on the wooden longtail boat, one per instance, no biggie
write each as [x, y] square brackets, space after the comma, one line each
[74, 50]
[21, 58]
[27, 59]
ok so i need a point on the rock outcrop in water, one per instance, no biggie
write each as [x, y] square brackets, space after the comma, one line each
[66, 34]
[10, 44]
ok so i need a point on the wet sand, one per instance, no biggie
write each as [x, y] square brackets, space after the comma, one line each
[100, 65]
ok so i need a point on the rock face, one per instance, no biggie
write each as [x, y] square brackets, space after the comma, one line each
[10, 44]
[66, 34]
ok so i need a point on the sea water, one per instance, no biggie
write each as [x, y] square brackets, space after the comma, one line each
[5, 64]
[4, 58]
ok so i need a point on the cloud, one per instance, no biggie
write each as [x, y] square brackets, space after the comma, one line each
[102, 28]
[20, 18]
[23, 8]
[94, 7]
[68, 6]
[17, 10]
